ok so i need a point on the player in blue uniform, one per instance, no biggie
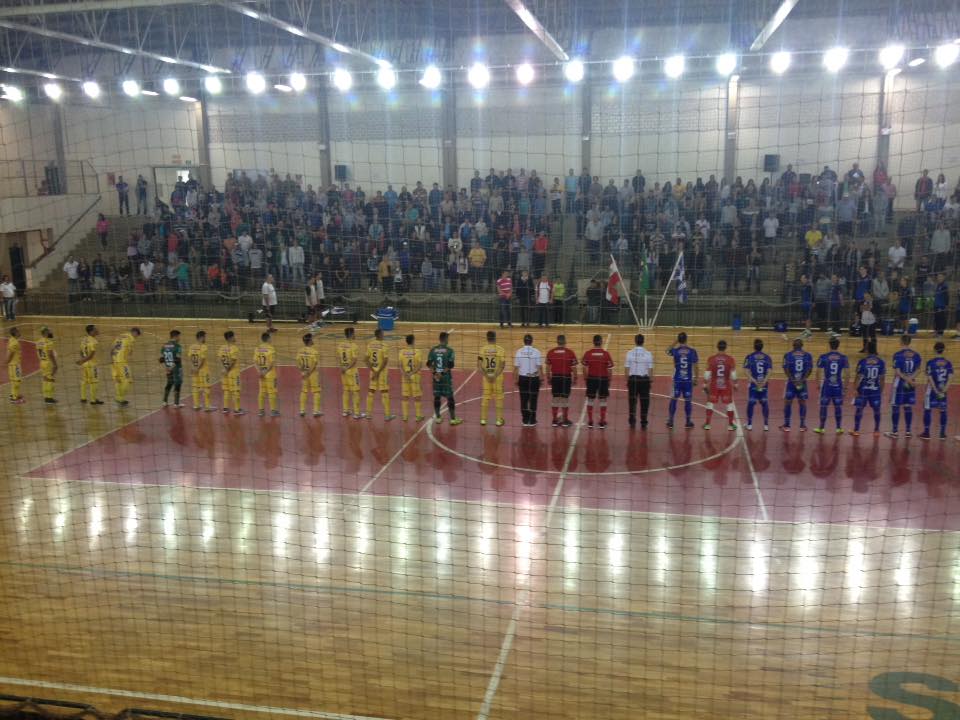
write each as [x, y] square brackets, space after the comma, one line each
[870, 374]
[939, 370]
[831, 373]
[759, 365]
[685, 361]
[797, 364]
[906, 367]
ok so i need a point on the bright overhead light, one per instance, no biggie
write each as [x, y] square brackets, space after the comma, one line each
[298, 81]
[726, 63]
[53, 91]
[339, 47]
[283, 88]
[187, 98]
[342, 80]
[131, 87]
[623, 68]
[171, 86]
[525, 74]
[149, 93]
[573, 70]
[91, 89]
[917, 62]
[431, 78]
[478, 75]
[387, 77]
[12, 92]
[894, 72]
[891, 56]
[946, 55]
[168, 60]
[256, 83]
[779, 62]
[250, 13]
[213, 85]
[295, 31]
[674, 66]
[835, 58]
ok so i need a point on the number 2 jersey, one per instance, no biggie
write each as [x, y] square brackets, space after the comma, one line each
[939, 370]
[721, 368]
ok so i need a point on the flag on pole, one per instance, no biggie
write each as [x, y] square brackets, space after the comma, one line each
[613, 284]
[681, 280]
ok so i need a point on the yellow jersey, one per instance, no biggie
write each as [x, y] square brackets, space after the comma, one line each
[13, 350]
[229, 359]
[198, 357]
[376, 355]
[45, 351]
[347, 354]
[88, 348]
[120, 352]
[411, 360]
[264, 357]
[308, 359]
[492, 359]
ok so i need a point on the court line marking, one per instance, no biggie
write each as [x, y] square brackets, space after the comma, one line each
[398, 453]
[523, 597]
[576, 473]
[181, 700]
[753, 472]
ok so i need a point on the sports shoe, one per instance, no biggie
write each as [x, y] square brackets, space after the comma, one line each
[358, 416]
[839, 431]
[925, 435]
[388, 418]
[83, 400]
[241, 411]
[50, 401]
[364, 416]
[669, 425]
[210, 409]
[318, 413]
[196, 408]
[456, 421]
[345, 413]
[499, 422]
[766, 428]
[555, 423]
[603, 425]
[818, 430]
[566, 423]
[803, 428]
[96, 402]
[943, 436]
[303, 414]
[261, 413]
[226, 409]
[18, 401]
[274, 413]
[706, 426]
[483, 421]
[404, 418]
[908, 434]
[589, 423]
[689, 426]
[749, 426]
[891, 434]
[731, 427]
[785, 428]
[123, 403]
[419, 418]
[855, 433]
[438, 419]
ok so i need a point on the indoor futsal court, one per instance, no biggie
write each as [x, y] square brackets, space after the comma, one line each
[210, 564]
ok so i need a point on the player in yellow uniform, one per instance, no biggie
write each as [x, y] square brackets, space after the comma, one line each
[411, 362]
[229, 355]
[308, 362]
[200, 373]
[491, 362]
[265, 360]
[120, 364]
[90, 377]
[347, 356]
[377, 361]
[14, 367]
[47, 355]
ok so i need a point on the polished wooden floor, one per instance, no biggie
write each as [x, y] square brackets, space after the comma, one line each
[336, 569]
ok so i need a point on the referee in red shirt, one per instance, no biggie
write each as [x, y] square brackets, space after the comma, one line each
[562, 373]
[597, 364]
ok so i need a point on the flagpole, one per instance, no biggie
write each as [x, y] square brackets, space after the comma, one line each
[616, 269]
[673, 275]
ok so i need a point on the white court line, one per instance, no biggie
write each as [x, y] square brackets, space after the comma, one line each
[523, 597]
[753, 472]
[180, 700]
[410, 440]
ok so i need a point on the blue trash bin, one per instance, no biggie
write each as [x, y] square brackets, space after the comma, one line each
[737, 322]
[386, 318]
[913, 326]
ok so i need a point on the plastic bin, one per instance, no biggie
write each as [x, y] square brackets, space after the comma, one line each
[387, 318]
[912, 326]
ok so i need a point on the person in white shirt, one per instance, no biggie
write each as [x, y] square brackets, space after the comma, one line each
[245, 242]
[70, 267]
[639, 371]
[770, 228]
[544, 295]
[295, 256]
[8, 291]
[528, 369]
[268, 294]
[146, 272]
[897, 254]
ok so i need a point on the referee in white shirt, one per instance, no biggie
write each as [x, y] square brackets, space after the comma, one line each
[528, 366]
[639, 372]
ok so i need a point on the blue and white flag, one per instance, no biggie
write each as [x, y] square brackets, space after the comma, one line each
[681, 275]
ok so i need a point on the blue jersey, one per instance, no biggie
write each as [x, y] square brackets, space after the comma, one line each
[908, 362]
[870, 371]
[759, 365]
[939, 370]
[798, 364]
[833, 364]
[684, 358]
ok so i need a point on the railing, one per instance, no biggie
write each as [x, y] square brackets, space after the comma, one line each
[37, 178]
[56, 241]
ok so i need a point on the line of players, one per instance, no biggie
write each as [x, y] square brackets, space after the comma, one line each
[832, 369]
[720, 378]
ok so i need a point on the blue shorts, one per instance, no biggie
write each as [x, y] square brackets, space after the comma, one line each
[903, 395]
[873, 400]
[795, 390]
[831, 395]
[683, 389]
[806, 310]
[757, 394]
[932, 402]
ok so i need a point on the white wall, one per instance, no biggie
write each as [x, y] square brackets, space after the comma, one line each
[27, 145]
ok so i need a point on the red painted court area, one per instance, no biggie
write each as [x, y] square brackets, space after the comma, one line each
[799, 477]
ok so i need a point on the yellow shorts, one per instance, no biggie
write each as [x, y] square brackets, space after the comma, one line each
[14, 372]
[311, 383]
[493, 389]
[90, 373]
[120, 372]
[380, 382]
[350, 380]
[46, 370]
[201, 380]
[269, 382]
[410, 387]
[231, 382]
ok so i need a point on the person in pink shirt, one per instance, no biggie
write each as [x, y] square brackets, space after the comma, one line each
[505, 296]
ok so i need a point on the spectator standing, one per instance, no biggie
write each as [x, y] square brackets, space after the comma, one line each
[940, 246]
[923, 189]
[296, 258]
[754, 262]
[559, 299]
[570, 185]
[146, 273]
[103, 230]
[505, 297]
[544, 297]
[896, 255]
[880, 290]
[941, 298]
[528, 366]
[735, 262]
[540, 246]
[868, 321]
[478, 261]
[524, 291]
[268, 298]
[141, 195]
[123, 195]
[771, 226]
[385, 274]
[8, 292]
[70, 268]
